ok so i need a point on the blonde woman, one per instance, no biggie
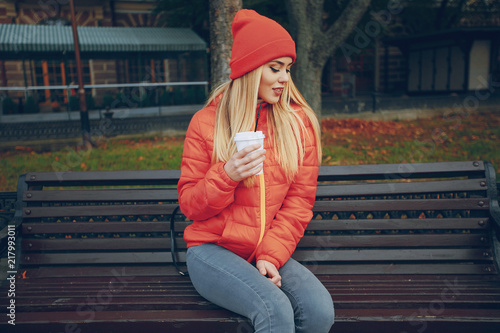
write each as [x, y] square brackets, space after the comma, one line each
[246, 226]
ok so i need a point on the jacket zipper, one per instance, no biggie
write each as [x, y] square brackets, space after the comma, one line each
[262, 186]
[262, 207]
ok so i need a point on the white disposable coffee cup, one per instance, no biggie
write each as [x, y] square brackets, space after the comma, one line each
[244, 139]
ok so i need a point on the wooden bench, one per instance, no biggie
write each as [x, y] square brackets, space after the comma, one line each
[401, 248]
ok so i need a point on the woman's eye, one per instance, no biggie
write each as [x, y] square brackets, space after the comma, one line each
[275, 70]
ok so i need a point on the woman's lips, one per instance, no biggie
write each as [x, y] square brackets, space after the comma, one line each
[278, 91]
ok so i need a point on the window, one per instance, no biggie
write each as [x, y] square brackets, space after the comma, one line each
[58, 73]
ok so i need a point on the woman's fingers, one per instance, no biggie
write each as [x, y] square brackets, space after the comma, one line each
[241, 165]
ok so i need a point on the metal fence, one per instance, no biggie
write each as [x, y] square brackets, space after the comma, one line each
[102, 96]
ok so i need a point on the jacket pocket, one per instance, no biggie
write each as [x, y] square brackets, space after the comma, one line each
[239, 238]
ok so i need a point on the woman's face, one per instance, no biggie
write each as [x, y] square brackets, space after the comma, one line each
[275, 75]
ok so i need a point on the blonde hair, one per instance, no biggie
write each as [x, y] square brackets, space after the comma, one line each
[236, 113]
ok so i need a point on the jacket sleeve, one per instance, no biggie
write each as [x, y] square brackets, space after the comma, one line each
[290, 222]
[204, 189]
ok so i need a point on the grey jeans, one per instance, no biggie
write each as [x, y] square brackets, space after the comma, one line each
[302, 304]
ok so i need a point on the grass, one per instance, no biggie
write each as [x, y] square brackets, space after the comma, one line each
[140, 154]
[349, 141]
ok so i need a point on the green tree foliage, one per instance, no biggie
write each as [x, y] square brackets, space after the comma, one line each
[191, 14]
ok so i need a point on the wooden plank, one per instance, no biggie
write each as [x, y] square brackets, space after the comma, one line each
[366, 321]
[95, 258]
[401, 171]
[324, 190]
[394, 240]
[103, 271]
[354, 284]
[118, 299]
[122, 300]
[222, 315]
[367, 255]
[400, 205]
[220, 321]
[97, 210]
[156, 177]
[136, 277]
[341, 272]
[432, 279]
[129, 317]
[399, 224]
[318, 255]
[316, 241]
[394, 268]
[97, 227]
[95, 244]
[164, 194]
[47, 292]
[394, 188]
[103, 178]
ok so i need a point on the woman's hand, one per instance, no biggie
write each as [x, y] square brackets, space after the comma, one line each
[240, 165]
[268, 269]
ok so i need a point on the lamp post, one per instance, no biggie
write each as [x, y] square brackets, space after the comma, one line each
[84, 115]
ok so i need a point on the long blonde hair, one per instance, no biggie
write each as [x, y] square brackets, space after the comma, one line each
[236, 113]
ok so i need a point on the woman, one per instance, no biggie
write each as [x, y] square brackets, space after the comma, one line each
[246, 226]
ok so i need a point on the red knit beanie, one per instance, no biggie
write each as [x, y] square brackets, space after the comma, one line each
[257, 40]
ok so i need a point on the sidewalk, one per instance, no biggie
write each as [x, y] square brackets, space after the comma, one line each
[408, 107]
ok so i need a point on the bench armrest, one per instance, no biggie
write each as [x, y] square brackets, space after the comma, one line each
[9, 201]
[493, 197]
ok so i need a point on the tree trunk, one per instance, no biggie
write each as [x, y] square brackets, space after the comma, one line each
[315, 44]
[221, 17]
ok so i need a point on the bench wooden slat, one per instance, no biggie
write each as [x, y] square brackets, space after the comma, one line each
[105, 272]
[219, 321]
[400, 205]
[163, 225]
[333, 255]
[394, 268]
[98, 210]
[393, 188]
[330, 206]
[100, 258]
[400, 171]
[195, 302]
[172, 291]
[398, 224]
[391, 241]
[103, 178]
[97, 227]
[101, 195]
[339, 255]
[353, 272]
[192, 300]
[323, 191]
[93, 244]
[319, 242]
[139, 275]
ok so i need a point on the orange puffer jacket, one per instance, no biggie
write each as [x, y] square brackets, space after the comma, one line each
[265, 221]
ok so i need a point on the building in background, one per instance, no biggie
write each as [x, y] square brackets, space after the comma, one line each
[127, 59]
[456, 60]
[413, 56]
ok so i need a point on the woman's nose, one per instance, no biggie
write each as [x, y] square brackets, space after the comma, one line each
[284, 77]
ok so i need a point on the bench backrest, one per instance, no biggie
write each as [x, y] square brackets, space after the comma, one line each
[428, 218]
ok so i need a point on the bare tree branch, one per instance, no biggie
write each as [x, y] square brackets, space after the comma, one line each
[345, 24]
